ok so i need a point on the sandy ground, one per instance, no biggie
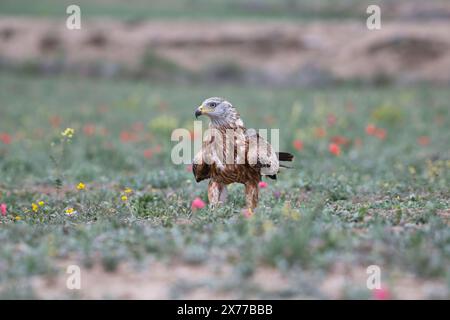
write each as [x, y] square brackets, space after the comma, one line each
[176, 280]
[404, 51]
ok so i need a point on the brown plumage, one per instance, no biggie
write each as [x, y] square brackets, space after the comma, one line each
[232, 154]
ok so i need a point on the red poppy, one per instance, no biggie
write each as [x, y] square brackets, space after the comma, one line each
[423, 140]
[340, 140]
[89, 129]
[247, 213]
[126, 136]
[5, 138]
[298, 144]
[381, 294]
[148, 153]
[197, 204]
[371, 129]
[334, 149]
[380, 133]
[320, 132]
[55, 121]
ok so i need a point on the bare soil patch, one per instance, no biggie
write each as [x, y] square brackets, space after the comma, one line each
[278, 50]
[159, 280]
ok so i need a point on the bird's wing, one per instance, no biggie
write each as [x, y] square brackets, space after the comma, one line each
[260, 154]
[200, 168]
[201, 164]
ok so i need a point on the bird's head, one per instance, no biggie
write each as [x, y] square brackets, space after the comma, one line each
[219, 110]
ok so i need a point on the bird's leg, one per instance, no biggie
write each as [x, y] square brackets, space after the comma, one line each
[214, 192]
[251, 195]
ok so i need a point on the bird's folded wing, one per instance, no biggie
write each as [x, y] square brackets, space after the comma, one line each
[200, 168]
[260, 154]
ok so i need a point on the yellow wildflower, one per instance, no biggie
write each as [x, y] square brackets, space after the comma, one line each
[124, 198]
[81, 186]
[70, 211]
[128, 191]
[34, 207]
[17, 218]
[41, 203]
[267, 226]
[289, 212]
[295, 215]
[69, 132]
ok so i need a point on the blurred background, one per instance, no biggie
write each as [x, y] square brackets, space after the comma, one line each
[300, 42]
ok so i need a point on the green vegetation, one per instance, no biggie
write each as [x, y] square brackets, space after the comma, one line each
[198, 9]
[384, 200]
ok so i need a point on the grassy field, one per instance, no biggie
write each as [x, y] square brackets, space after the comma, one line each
[384, 200]
[198, 9]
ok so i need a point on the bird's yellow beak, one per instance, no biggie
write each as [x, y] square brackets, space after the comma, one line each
[202, 110]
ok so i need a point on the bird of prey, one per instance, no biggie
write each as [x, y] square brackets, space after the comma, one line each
[230, 153]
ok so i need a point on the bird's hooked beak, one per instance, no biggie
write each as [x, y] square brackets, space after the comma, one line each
[201, 110]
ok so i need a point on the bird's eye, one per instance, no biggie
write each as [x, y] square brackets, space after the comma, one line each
[213, 105]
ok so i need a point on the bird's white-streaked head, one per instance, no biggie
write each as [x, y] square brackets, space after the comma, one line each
[219, 110]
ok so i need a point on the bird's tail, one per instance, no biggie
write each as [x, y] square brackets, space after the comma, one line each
[285, 156]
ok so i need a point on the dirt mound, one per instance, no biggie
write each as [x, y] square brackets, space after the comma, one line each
[285, 52]
[409, 51]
